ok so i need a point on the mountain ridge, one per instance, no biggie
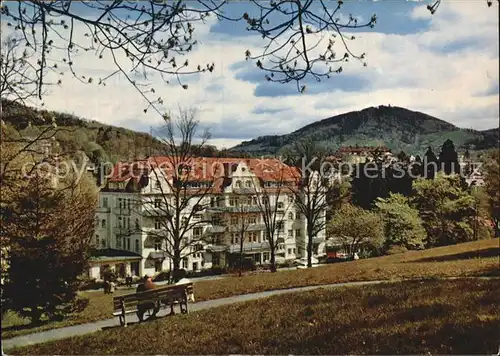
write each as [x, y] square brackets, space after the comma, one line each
[392, 126]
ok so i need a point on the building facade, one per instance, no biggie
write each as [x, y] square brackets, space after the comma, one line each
[222, 204]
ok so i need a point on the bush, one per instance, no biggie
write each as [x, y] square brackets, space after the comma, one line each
[90, 284]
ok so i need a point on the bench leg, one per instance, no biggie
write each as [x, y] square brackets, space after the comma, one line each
[172, 311]
[185, 310]
[123, 321]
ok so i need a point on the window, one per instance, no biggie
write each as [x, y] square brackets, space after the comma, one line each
[184, 263]
[297, 215]
[290, 233]
[297, 233]
[294, 250]
[128, 203]
[234, 220]
[290, 216]
[119, 222]
[265, 256]
[248, 184]
[254, 200]
[280, 226]
[212, 202]
[290, 198]
[157, 184]
[118, 242]
[97, 240]
[198, 247]
[238, 184]
[137, 225]
[157, 202]
[252, 220]
[289, 251]
[104, 202]
[280, 205]
[103, 243]
[197, 231]
[136, 245]
[103, 223]
[157, 224]
[128, 244]
[157, 246]
[120, 203]
[233, 201]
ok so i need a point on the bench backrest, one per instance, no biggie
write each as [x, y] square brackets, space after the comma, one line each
[168, 294]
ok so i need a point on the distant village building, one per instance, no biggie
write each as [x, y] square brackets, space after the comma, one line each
[360, 154]
[125, 225]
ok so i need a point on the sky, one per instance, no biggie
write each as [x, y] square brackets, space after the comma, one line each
[445, 65]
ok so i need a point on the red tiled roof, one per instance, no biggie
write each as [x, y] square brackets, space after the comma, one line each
[205, 168]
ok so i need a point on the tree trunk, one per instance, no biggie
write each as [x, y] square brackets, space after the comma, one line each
[273, 260]
[309, 250]
[176, 261]
[241, 256]
[35, 315]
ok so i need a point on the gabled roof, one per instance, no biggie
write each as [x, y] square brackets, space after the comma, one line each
[208, 169]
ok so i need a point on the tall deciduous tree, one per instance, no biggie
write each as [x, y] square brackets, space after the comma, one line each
[402, 224]
[181, 184]
[354, 226]
[312, 190]
[271, 189]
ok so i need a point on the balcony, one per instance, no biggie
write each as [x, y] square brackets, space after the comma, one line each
[248, 190]
[215, 229]
[122, 211]
[234, 209]
[248, 228]
[249, 246]
[103, 210]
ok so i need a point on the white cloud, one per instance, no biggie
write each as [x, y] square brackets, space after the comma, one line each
[412, 71]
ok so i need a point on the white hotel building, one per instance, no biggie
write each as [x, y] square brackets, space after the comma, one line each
[125, 225]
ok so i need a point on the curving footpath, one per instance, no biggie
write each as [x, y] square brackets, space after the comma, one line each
[82, 329]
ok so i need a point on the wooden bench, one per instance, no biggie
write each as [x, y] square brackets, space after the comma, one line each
[161, 297]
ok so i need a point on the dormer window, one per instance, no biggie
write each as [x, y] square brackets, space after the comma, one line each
[248, 184]
[238, 184]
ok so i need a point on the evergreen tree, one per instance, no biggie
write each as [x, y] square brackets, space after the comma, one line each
[48, 234]
[448, 158]
[430, 164]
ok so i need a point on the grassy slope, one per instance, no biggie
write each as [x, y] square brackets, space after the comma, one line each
[444, 317]
[469, 259]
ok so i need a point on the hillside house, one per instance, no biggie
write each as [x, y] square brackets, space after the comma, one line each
[129, 216]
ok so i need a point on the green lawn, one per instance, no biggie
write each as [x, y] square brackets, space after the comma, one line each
[426, 317]
[468, 259]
